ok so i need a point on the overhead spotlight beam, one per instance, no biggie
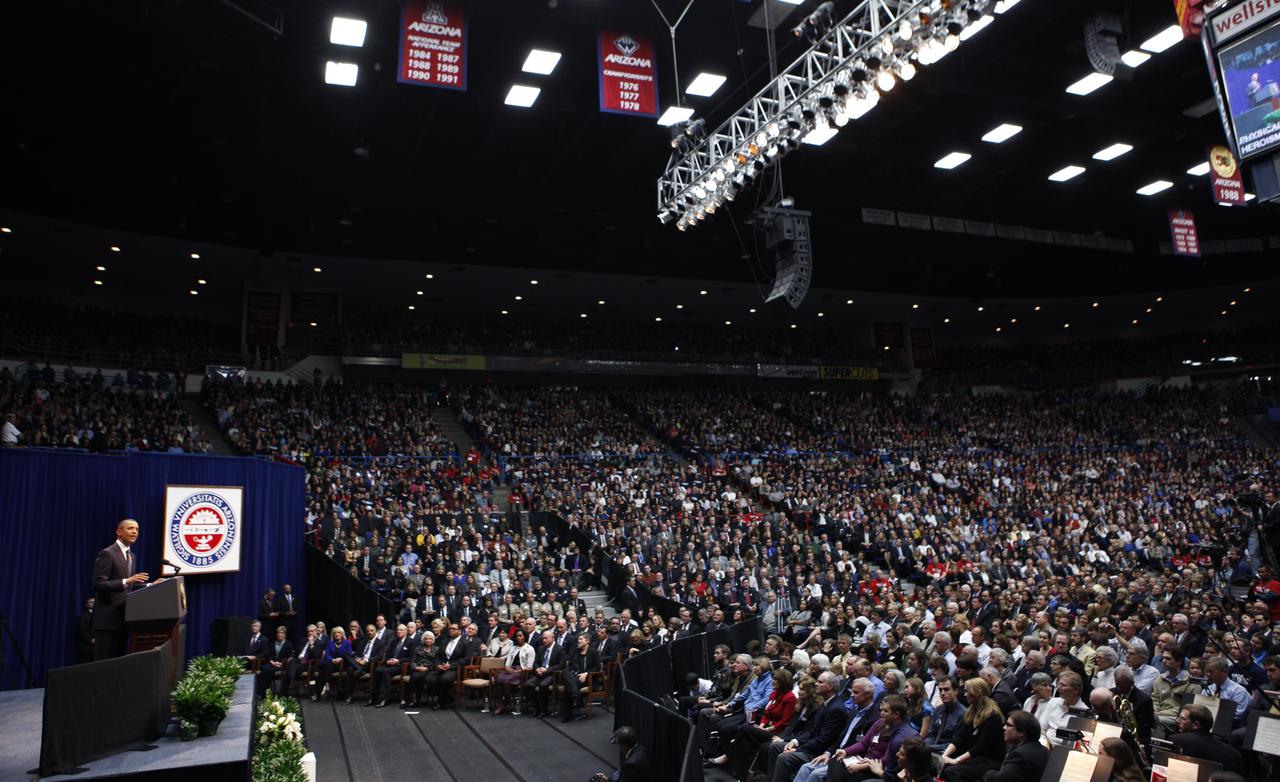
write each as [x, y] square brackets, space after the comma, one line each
[879, 44]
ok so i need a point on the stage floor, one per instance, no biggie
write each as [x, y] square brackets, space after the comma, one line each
[23, 712]
[355, 744]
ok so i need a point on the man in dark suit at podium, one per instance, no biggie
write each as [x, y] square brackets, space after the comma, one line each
[114, 576]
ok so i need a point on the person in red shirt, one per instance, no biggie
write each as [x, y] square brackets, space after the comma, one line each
[1268, 591]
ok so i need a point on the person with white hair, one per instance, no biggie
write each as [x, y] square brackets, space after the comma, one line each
[1104, 671]
[1144, 674]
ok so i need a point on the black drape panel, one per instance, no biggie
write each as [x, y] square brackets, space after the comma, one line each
[336, 597]
[745, 632]
[648, 673]
[104, 707]
[59, 508]
[721, 636]
[689, 655]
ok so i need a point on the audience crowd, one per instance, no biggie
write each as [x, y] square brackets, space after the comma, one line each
[940, 575]
[130, 411]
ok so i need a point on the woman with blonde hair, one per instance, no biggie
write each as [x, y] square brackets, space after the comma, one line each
[979, 744]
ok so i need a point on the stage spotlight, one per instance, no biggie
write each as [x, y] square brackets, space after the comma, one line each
[816, 24]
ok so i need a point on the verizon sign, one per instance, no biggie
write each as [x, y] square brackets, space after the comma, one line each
[1242, 18]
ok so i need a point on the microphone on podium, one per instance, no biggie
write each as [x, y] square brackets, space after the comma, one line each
[176, 569]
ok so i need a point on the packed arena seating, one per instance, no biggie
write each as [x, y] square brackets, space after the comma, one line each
[127, 411]
[99, 336]
[1103, 533]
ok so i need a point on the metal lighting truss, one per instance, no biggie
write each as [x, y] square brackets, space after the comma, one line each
[840, 77]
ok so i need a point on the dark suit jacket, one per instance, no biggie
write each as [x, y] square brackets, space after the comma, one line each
[635, 767]
[259, 649]
[401, 650]
[1007, 699]
[575, 663]
[825, 730]
[1144, 713]
[1204, 745]
[265, 609]
[109, 572]
[1024, 762]
[286, 651]
[282, 606]
[557, 658]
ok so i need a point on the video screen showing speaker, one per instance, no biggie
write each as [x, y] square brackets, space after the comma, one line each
[1251, 82]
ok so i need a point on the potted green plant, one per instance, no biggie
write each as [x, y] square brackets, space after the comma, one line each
[188, 701]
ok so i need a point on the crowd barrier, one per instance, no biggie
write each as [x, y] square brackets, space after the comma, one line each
[650, 676]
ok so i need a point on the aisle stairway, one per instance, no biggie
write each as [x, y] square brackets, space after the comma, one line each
[205, 421]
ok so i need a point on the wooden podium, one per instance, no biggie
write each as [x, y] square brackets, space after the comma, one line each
[154, 615]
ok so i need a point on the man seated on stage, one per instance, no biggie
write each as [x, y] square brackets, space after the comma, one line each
[278, 660]
[312, 649]
[257, 648]
[362, 660]
[401, 651]
[537, 688]
[578, 668]
[458, 651]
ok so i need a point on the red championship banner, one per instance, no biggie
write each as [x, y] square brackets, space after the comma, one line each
[1182, 225]
[1190, 17]
[628, 74]
[1228, 187]
[433, 45]
[922, 352]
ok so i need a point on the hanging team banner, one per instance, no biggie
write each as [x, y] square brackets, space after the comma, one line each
[203, 528]
[433, 45]
[923, 355]
[1228, 187]
[628, 74]
[1182, 225]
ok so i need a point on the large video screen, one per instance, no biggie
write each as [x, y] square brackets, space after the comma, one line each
[1251, 79]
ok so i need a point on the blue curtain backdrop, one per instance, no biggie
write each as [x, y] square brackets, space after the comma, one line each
[58, 508]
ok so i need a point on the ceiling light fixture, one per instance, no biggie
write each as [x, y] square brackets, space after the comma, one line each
[348, 32]
[819, 136]
[313, 324]
[113, 248]
[315, 269]
[102, 268]
[1165, 39]
[418, 292]
[1001, 134]
[430, 276]
[194, 292]
[1112, 152]
[541, 62]
[1133, 58]
[600, 301]
[195, 256]
[1064, 174]
[705, 84]
[201, 282]
[1199, 169]
[97, 282]
[675, 114]
[533, 282]
[341, 74]
[1158, 186]
[1089, 83]
[522, 95]
[952, 160]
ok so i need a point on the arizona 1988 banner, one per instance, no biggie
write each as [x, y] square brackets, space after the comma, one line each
[628, 74]
[203, 528]
[433, 44]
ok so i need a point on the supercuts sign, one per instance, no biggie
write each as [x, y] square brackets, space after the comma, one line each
[433, 45]
[628, 74]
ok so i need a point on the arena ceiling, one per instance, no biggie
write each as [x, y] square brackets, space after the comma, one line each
[187, 119]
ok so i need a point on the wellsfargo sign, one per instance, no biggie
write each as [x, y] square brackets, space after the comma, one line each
[1241, 18]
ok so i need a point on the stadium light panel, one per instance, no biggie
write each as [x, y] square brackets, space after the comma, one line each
[1158, 186]
[1064, 174]
[675, 114]
[819, 136]
[705, 84]
[1133, 58]
[1112, 152]
[522, 95]
[1002, 134]
[541, 62]
[1089, 83]
[348, 32]
[1199, 169]
[342, 74]
[1165, 39]
[953, 160]
[1004, 5]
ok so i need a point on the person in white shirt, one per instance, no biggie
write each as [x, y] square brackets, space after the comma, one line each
[9, 433]
[1055, 713]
